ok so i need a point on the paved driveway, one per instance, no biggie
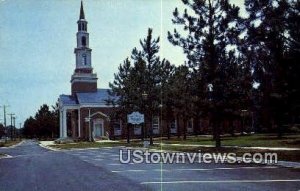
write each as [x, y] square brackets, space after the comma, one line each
[34, 168]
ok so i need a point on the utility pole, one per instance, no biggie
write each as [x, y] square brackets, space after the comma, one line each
[14, 128]
[4, 114]
[11, 123]
[19, 133]
[4, 119]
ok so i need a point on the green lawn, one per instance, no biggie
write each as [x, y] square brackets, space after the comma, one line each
[79, 145]
[259, 140]
[262, 140]
[282, 155]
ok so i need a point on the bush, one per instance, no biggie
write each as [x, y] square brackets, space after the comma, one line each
[295, 129]
[63, 141]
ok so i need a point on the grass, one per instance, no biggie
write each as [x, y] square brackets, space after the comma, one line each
[81, 145]
[9, 143]
[282, 155]
[258, 140]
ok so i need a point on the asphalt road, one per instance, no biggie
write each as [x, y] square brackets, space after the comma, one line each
[32, 167]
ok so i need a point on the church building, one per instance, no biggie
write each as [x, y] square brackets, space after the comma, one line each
[84, 114]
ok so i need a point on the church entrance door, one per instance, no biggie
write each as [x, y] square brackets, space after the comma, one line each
[98, 129]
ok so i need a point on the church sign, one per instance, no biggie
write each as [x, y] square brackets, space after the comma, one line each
[135, 118]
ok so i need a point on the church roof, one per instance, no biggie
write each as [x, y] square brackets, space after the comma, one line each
[68, 100]
[98, 97]
[89, 98]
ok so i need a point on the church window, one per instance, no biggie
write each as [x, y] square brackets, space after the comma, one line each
[83, 41]
[173, 126]
[190, 125]
[117, 128]
[155, 124]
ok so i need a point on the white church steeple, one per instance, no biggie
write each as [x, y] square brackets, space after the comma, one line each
[82, 51]
[83, 79]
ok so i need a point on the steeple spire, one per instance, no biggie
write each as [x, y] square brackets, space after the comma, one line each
[83, 79]
[81, 16]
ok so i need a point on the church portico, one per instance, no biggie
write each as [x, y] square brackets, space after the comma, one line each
[63, 118]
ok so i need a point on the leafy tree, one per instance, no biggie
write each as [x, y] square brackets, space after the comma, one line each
[44, 124]
[44, 121]
[30, 128]
[55, 120]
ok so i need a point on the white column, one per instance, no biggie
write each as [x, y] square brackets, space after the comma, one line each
[64, 123]
[90, 130]
[60, 124]
[79, 133]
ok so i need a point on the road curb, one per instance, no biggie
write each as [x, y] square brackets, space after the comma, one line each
[288, 164]
[49, 148]
[6, 156]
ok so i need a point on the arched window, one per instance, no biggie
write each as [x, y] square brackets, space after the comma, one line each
[83, 41]
[83, 60]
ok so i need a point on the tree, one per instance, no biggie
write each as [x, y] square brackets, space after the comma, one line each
[166, 73]
[44, 121]
[268, 33]
[44, 124]
[2, 130]
[212, 27]
[293, 56]
[55, 120]
[141, 78]
[123, 87]
[181, 95]
[30, 128]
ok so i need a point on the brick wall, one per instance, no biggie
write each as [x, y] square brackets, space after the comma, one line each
[84, 87]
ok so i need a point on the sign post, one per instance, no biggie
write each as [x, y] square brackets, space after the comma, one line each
[137, 118]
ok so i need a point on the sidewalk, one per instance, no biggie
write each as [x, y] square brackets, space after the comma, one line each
[47, 145]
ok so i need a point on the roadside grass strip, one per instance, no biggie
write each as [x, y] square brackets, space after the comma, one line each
[221, 181]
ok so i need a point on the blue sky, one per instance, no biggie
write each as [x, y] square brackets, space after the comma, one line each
[38, 37]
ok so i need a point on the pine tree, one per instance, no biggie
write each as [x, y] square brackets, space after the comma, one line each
[140, 78]
[267, 34]
[166, 73]
[181, 96]
[293, 68]
[212, 27]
